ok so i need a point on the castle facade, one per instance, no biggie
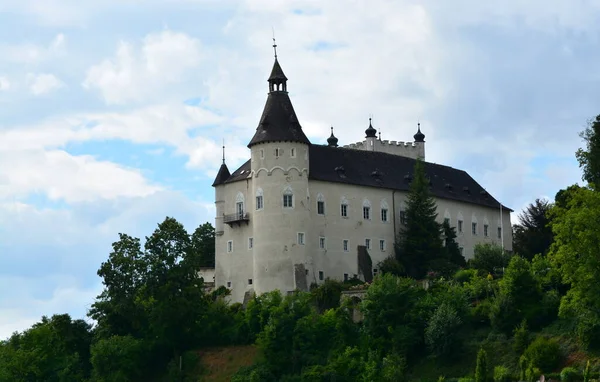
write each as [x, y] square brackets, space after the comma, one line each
[298, 212]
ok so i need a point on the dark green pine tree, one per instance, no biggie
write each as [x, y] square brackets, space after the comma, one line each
[420, 240]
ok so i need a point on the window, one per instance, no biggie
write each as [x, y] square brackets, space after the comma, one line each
[485, 230]
[249, 281]
[344, 210]
[228, 284]
[230, 246]
[368, 243]
[382, 245]
[259, 199]
[301, 238]
[403, 217]
[250, 242]
[474, 228]
[277, 153]
[292, 153]
[345, 277]
[322, 242]
[500, 233]
[447, 221]
[288, 201]
[460, 227]
[262, 154]
[306, 272]
[384, 215]
[366, 213]
[374, 271]
[345, 245]
[320, 275]
[321, 207]
[462, 250]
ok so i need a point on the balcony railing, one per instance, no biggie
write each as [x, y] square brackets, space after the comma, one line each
[236, 218]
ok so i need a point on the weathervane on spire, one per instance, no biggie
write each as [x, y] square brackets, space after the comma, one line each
[274, 43]
[223, 150]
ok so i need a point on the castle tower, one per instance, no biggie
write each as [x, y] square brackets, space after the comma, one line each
[279, 165]
[420, 142]
[218, 184]
[371, 136]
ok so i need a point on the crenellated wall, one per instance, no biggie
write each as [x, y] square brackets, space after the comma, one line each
[406, 149]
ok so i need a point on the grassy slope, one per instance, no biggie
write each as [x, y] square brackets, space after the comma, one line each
[219, 364]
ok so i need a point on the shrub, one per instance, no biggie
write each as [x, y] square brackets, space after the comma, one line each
[587, 372]
[543, 354]
[570, 374]
[481, 370]
[501, 374]
[489, 257]
[521, 338]
[464, 275]
[466, 379]
[441, 332]
[118, 358]
[532, 374]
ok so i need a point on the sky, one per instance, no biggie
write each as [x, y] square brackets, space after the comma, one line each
[112, 113]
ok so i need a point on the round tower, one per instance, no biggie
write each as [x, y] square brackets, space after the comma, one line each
[280, 166]
[420, 141]
[371, 136]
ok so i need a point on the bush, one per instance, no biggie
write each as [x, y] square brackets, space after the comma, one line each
[570, 374]
[481, 370]
[466, 379]
[501, 374]
[441, 334]
[464, 275]
[521, 338]
[118, 358]
[503, 314]
[258, 372]
[544, 354]
[488, 258]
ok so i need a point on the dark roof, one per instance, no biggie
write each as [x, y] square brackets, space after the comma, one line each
[377, 169]
[419, 136]
[332, 140]
[222, 175]
[382, 170]
[277, 73]
[278, 121]
[370, 132]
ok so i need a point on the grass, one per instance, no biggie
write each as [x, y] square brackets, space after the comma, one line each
[219, 364]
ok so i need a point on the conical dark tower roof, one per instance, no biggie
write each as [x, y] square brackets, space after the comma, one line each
[278, 121]
[332, 141]
[419, 136]
[222, 175]
[371, 132]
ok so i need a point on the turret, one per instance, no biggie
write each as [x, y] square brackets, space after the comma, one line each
[371, 136]
[218, 184]
[332, 141]
[279, 163]
[420, 141]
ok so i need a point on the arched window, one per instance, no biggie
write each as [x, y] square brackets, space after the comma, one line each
[239, 204]
[447, 217]
[366, 209]
[474, 225]
[459, 223]
[259, 199]
[384, 211]
[288, 197]
[344, 207]
[320, 204]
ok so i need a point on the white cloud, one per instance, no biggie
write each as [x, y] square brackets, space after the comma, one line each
[62, 176]
[43, 83]
[29, 53]
[137, 74]
[4, 84]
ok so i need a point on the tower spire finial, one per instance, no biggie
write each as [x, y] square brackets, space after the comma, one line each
[274, 43]
[223, 150]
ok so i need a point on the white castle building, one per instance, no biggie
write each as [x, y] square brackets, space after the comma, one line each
[297, 212]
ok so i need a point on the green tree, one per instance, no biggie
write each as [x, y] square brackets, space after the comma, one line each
[203, 244]
[119, 359]
[441, 333]
[589, 157]
[533, 234]
[575, 253]
[489, 258]
[481, 369]
[420, 240]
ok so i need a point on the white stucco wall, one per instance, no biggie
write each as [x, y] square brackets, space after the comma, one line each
[406, 149]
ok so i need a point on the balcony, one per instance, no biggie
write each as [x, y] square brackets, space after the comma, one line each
[236, 218]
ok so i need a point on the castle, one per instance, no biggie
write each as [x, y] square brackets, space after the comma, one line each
[297, 212]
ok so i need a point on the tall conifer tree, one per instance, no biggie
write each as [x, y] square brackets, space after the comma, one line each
[420, 240]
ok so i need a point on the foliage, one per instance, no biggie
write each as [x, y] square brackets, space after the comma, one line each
[575, 253]
[544, 354]
[441, 334]
[533, 234]
[587, 372]
[501, 374]
[521, 338]
[489, 258]
[481, 370]
[119, 359]
[392, 266]
[570, 374]
[420, 241]
[589, 158]
[464, 275]
[327, 295]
